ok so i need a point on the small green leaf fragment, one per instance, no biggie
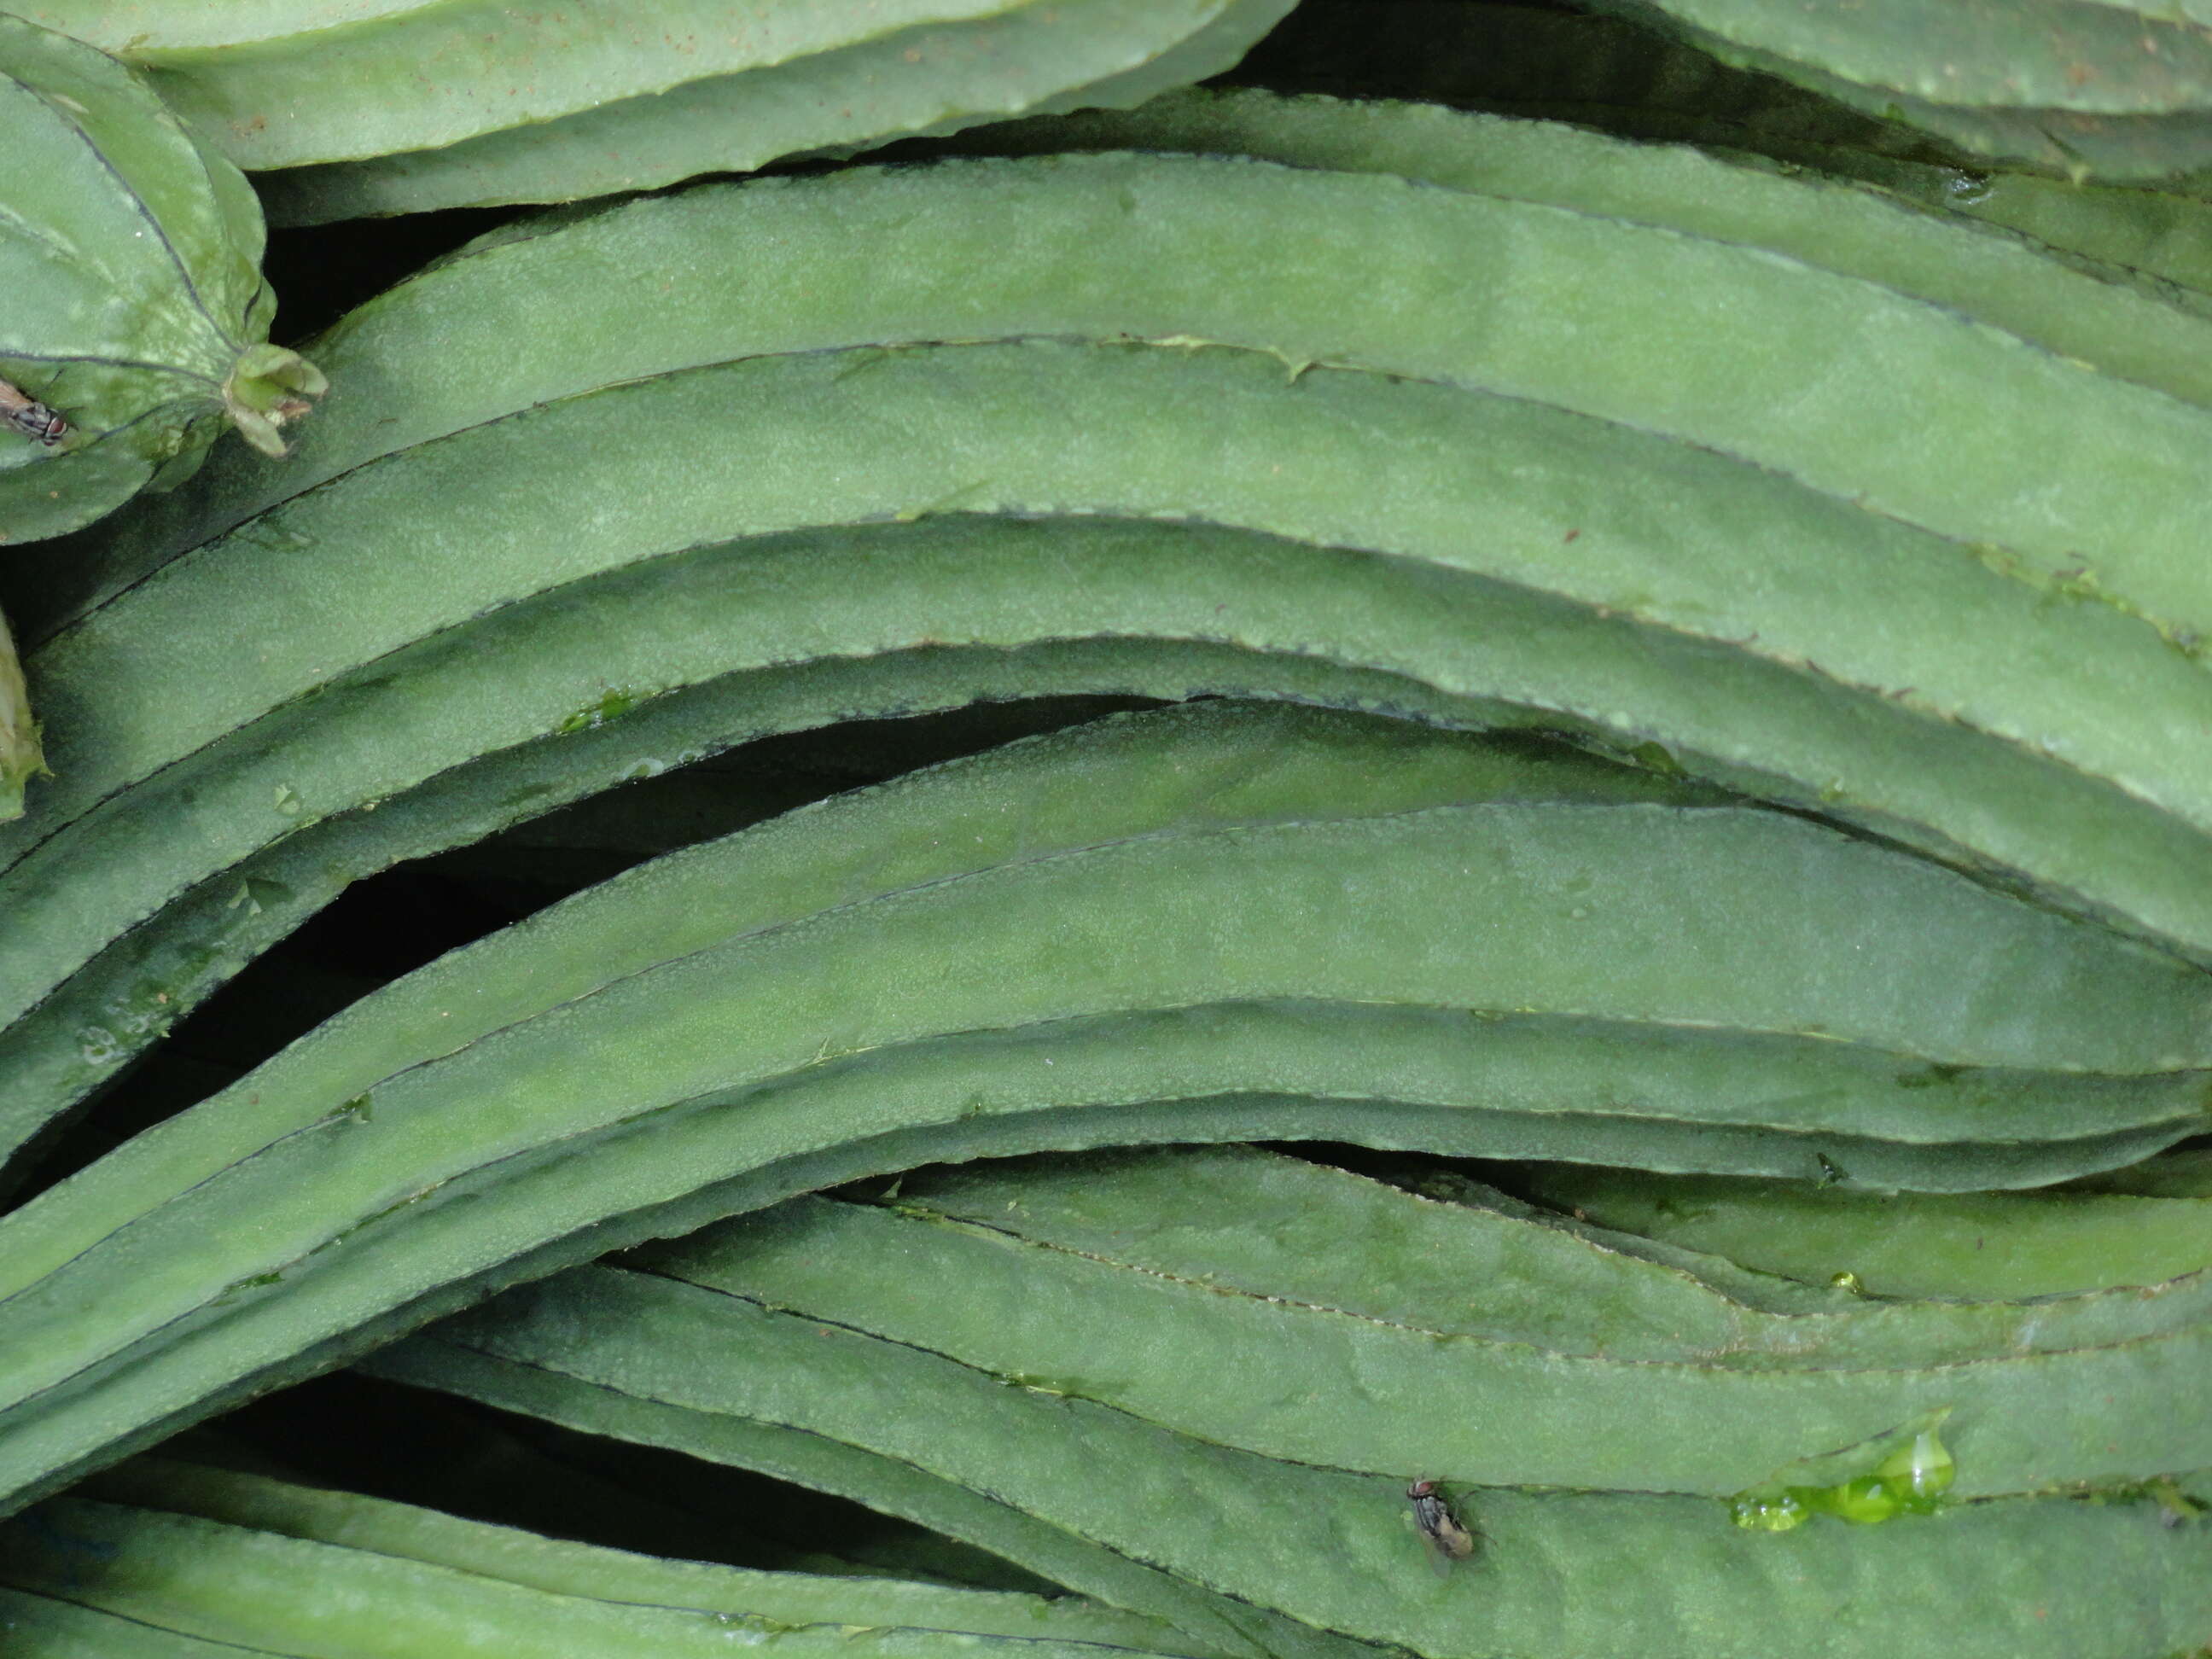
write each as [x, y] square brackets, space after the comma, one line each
[1768, 1510]
[1919, 1472]
[1911, 1480]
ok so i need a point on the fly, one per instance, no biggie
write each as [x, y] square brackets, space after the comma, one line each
[1448, 1539]
[20, 410]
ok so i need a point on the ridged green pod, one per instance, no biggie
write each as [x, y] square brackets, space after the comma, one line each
[1202, 924]
[1041, 1476]
[404, 105]
[1397, 1332]
[242, 1561]
[1790, 644]
[1620, 76]
[1966, 1246]
[136, 324]
[238, 1589]
[2072, 87]
[929, 79]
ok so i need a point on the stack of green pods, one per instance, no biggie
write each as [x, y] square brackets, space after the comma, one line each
[1491, 937]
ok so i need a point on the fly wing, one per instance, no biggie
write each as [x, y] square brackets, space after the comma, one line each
[1440, 1558]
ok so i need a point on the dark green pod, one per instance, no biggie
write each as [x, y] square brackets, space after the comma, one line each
[2083, 91]
[137, 323]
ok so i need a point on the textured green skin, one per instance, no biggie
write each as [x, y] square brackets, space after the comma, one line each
[1614, 75]
[131, 263]
[2195, 10]
[151, 977]
[925, 80]
[561, 1567]
[2160, 235]
[2073, 91]
[275, 1594]
[114, 1018]
[128, 996]
[1963, 974]
[278, 91]
[634, 1356]
[1479, 1264]
[2044, 1243]
[2058, 55]
[1606, 1386]
[2166, 150]
[2068, 471]
[691, 228]
[41, 1627]
[1227, 1623]
[1436, 1244]
[1200, 433]
[527, 673]
[2096, 315]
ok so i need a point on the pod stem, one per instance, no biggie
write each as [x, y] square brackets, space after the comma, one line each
[269, 385]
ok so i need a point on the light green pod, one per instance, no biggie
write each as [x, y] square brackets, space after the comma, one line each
[930, 79]
[1398, 1333]
[557, 1566]
[137, 323]
[646, 1359]
[268, 1592]
[2082, 308]
[865, 950]
[482, 101]
[1963, 1246]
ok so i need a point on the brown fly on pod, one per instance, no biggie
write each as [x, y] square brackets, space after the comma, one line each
[27, 416]
[1448, 1539]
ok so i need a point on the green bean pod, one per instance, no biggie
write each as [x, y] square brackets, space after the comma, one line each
[931, 78]
[81, 885]
[1621, 77]
[1931, 562]
[1969, 1246]
[643, 1359]
[386, 1589]
[354, 1524]
[1925, 781]
[1426, 1326]
[2077, 307]
[2083, 85]
[617, 96]
[647, 1057]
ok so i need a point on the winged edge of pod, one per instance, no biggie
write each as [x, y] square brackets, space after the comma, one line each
[356, 1172]
[2089, 1031]
[245, 1561]
[1097, 53]
[637, 1356]
[1641, 81]
[1820, 782]
[2085, 89]
[1379, 1359]
[523, 106]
